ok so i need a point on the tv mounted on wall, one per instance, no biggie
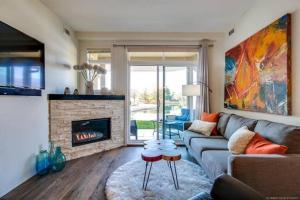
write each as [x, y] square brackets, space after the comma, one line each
[22, 63]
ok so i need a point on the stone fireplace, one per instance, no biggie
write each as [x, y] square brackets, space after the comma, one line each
[86, 124]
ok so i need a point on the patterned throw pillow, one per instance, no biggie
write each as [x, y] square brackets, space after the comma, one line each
[211, 117]
[239, 140]
[202, 127]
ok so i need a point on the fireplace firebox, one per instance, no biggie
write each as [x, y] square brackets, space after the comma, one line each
[89, 131]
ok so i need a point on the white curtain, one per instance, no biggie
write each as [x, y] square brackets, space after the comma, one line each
[202, 101]
[119, 71]
[119, 80]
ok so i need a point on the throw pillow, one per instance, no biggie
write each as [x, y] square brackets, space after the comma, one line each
[203, 127]
[239, 140]
[211, 117]
[260, 145]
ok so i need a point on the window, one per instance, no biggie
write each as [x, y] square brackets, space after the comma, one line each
[101, 57]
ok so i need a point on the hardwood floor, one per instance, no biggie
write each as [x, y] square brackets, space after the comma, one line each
[83, 178]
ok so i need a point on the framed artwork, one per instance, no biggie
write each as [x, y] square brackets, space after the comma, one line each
[258, 71]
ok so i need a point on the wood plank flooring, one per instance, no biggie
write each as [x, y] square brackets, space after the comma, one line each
[83, 178]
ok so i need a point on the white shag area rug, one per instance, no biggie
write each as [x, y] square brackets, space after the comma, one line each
[126, 182]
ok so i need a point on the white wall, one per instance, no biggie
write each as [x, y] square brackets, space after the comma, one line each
[216, 75]
[260, 15]
[24, 120]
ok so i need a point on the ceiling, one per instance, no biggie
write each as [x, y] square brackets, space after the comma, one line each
[149, 15]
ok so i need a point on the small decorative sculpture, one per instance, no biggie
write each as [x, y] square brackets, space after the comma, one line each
[67, 91]
[76, 92]
[89, 73]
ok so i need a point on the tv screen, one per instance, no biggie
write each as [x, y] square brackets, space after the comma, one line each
[21, 60]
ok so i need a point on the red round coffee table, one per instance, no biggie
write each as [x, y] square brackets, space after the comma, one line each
[150, 156]
[156, 151]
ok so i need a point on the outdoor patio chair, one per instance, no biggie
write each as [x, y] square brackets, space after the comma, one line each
[181, 119]
[133, 129]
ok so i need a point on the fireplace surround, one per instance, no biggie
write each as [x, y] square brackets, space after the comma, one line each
[68, 111]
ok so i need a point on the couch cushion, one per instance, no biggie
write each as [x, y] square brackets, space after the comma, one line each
[215, 162]
[198, 145]
[222, 123]
[235, 122]
[280, 134]
[188, 135]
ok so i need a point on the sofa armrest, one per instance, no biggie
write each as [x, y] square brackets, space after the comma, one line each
[271, 175]
[186, 125]
[228, 188]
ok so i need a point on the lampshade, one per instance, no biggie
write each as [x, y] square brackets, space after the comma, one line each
[191, 90]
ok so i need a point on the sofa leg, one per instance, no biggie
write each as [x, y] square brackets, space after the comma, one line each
[186, 149]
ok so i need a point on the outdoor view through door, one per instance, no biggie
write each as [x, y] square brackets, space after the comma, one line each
[157, 108]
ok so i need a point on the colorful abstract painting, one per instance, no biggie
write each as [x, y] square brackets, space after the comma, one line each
[258, 70]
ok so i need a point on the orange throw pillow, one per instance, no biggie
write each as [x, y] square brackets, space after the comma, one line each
[211, 117]
[259, 145]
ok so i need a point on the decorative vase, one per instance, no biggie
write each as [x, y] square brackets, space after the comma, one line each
[51, 154]
[89, 87]
[89, 72]
[42, 163]
[59, 160]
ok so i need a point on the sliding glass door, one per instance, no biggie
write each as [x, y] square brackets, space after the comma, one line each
[157, 108]
[175, 106]
[144, 102]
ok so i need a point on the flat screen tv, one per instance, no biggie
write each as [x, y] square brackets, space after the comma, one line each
[22, 63]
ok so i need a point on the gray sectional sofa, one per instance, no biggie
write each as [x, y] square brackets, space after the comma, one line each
[271, 175]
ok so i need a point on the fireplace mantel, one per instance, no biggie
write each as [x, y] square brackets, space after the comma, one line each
[85, 97]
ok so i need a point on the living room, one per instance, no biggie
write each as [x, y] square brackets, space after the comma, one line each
[117, 88]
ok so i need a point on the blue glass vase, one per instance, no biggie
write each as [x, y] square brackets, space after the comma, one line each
[58, 160]
[42, 163]
[51, 154]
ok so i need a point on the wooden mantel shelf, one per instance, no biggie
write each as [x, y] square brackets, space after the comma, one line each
[85, 97]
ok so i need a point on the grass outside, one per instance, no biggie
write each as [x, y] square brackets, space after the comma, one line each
[142, 124]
